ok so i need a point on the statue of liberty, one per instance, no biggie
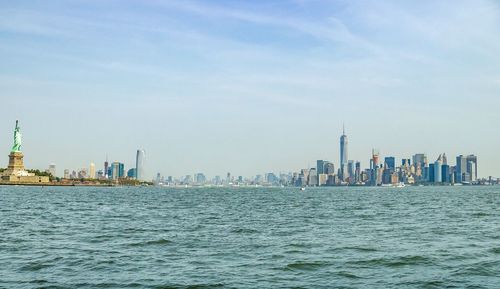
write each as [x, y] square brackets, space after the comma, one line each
[17, 138]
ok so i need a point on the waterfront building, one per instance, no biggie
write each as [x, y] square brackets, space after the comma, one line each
[313, 178]
[332, 180]
[132, 173]
[322, 179]
[200, 178]
[117, 170]
[66, 174]
[92, 171]
[460, 168]
[431, 174]
[445, 173]
[387, 176]
[438, 170]
[350, 170]
[139, 164]
[83, 173]
[472, 167]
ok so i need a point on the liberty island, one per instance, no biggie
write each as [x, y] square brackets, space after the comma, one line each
[15, 172]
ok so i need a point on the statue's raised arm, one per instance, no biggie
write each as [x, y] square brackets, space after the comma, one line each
[17, 138]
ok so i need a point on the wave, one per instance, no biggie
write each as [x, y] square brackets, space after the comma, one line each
[394, 262]
[195, 286]
[306, 266]
[151, 243]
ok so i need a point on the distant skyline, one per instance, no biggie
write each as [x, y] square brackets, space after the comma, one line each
[248, 87]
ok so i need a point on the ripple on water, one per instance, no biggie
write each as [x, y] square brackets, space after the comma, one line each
[485, 269]
[158, 242]
[393, 262]
[307, 265]
[195, 286]
[35, 266]
[244, 231]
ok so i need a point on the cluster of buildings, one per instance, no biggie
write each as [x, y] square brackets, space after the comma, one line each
[416, 170]
[111, 170]
[199, 179]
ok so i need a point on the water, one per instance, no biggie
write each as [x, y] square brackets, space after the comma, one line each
[250, 238]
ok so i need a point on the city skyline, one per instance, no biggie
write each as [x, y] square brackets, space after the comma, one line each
[249, 87]
[414, 171]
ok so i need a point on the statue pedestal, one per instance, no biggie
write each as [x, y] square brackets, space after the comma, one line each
[15, 173]
[16, 163]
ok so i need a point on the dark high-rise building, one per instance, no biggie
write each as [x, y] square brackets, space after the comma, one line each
[431, 173]
[390, 163]
[445, 173]
[329, 168]
[106, 168]
[357, 173]
[320, 166]
[460, 168]
[343, 155]
[132, 173]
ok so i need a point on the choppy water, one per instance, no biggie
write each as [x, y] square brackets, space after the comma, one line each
[249, 238]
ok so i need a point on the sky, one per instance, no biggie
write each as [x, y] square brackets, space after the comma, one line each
[248, 87]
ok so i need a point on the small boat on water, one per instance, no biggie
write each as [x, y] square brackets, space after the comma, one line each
[302, 188]
[400, 185]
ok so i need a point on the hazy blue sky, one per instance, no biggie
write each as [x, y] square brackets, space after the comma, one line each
[249, 86]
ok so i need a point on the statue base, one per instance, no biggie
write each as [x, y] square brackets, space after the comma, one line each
[15, 172]
[16, 162]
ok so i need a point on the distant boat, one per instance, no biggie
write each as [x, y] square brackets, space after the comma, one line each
[400, 185]
[302, 188]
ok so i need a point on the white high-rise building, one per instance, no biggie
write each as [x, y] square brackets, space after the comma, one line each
[92, 171]
[52, 169]
[438, 165]
[139, 165]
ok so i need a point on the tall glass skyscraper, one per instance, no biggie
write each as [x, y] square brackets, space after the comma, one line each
[343, 155]
[139, 165]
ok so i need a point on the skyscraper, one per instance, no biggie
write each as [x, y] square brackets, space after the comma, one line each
[139, 164]
[92, 171]
[419, 160]
[117, 170]
[460, 168]
[106, 168]
[52, 169]
[343, 155]
[472, 167]
[438, 170]
[320, 166]
[390, 163]
[375, 157]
